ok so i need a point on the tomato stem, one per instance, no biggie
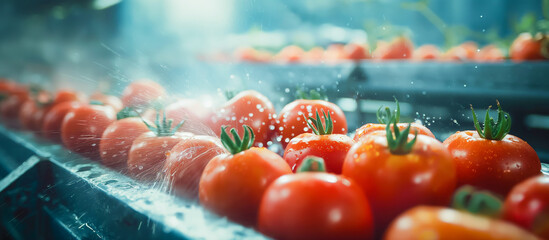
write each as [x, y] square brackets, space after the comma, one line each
[126, 113]
[238, 144]
[386, 116]
[316, 124]
[478, 202]
[399, 144]
[164, 128]
[493, 130]
[312, 164]
[312, 95]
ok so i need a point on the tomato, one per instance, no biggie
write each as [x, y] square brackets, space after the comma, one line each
[10, 109]
[354, 51]
[27, 114]
[383, 116]
[323, 144]
[334, 53]
[250, 108]
[68, 96]
[83, 127]
[426, 52]
[117, 140]
[492, 159]
[186, 162]
[528, 47]
[141, 93]
[428, 222]
[398, 48]
[248, 54]
[315, 205]
[292, 118]
[195, 114]
[490, 53]
[463, 52]
[398, 176]
[107, 100]
[527, 205]
[232, 185]
[53, 119]
[315, 54]
[290, 53]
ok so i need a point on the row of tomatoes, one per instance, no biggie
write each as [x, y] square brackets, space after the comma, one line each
[379, 177]
[524, 47]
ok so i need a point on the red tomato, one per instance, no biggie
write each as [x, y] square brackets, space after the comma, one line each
[27, 115]
[53, 119]
[399, 48]
[68, 96]
[291, 121]
[195, 114]
[527, 205]
[315, 205]
[232, 185]
[426, 52]
[141, 93]
[490, 53]
[149, 151]
[395, 182]
[248, 54]
[250, 108]
[83, 127]
[334, 53]
[369, 128]
[527, 47]
[10, 109]
[315, 54]
[107, 100]
[463, 52]
[427, 222]
[186, 162]
[495, 165]
[117, 140]
[290, 54]
[354, 51]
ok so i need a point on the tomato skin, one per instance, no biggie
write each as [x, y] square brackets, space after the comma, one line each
[186, 162]
[490, 53]
[290, 54]
[399, 48]
[193, 111]
[527, 205]
[83, 127]
[108, 100]
[53, 119]
[463, 52]
[68, 96]
[250, 108]
[426, 52]
[525, 47]
[291, 122]
[354, 51]
[369, 128]
[27, 115]
[313, 205]
[233, 185]
[141, 93]
[426, 175]
[315, 54]
[332, 148]
[117, 139]
[490, 164]
[148, 154]
[428, 222]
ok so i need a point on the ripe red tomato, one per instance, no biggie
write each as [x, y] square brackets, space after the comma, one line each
[232, 185]
[53, 119]
[323, 144]
[398, 48]
[527, 205]
[490, 53]
[290, 53]
[250, 108]
[195, 114]
[68, 96]
[83, 127]
[528, 47]
[315, 54]
[493, 160]
[315, 205]
[117, 140]
[107, 100]
[463, 52]
[27, 115]
[398, 176]
[355, 51]
[334, 53]
[292, 119]
[186, 162]
[141, 93]
[426, 52]
[428, 222]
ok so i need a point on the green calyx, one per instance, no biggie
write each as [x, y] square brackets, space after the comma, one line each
[312, 164]
[478, 202]
[493, 130]
[126, 113]
[311, 95]
[385, 116]
[229, 94]
[316, 124]
[237, 145]
[398, 144]
[163, 128]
